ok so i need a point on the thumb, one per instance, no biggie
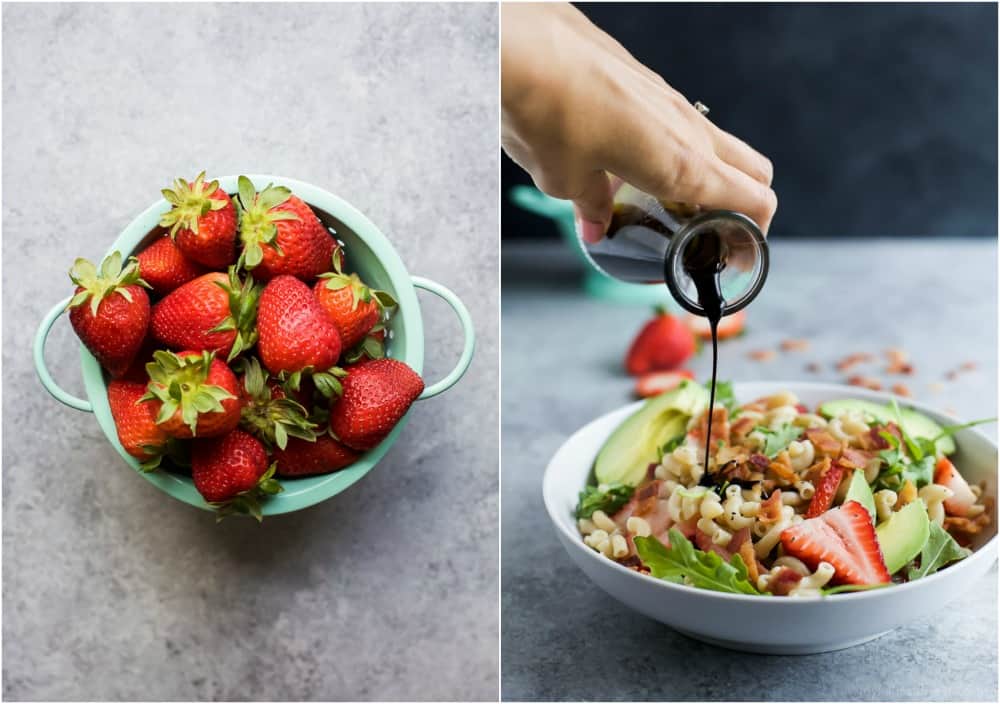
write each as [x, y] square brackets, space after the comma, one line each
[593, 206]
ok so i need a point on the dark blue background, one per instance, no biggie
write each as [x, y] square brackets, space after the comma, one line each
[881, 119]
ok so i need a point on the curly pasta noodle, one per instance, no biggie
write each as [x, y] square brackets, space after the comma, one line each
[934, 496]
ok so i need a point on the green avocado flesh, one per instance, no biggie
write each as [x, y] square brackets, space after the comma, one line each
[631, 448]
[903, 535]
[858, 490]
[916, 424]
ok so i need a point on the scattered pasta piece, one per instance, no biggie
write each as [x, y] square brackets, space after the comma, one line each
[901, 390]
[762, 355]
[866, 382]
[852, 360]
[794, 345]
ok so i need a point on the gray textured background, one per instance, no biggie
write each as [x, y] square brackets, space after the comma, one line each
[564, 638]
[111, 589]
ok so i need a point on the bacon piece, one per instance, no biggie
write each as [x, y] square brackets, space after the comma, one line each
[762, 355]
[784, 581]
[865, 382]
[824, 442]
[770, 508]
[874, 440]
[852, 360]
[740, 428]
[851, 458]
[901, 390]
[794, 345]
[720, 427]
[782, 466]
[760, 461]
[816, 471]
[704, 542]
[750, 560]
[966, 527]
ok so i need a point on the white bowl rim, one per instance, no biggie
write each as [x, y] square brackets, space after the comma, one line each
[986, 551]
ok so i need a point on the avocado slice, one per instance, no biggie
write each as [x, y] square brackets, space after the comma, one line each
[858, 490]
[903, 534]
[915, 423]
[633, 445]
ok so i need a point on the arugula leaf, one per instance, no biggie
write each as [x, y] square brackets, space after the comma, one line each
[777, 440]
[605, 497]
[952, 429]
[724, 394]
[938, 551]
[683, 563]
[898, 468]
[916, 449]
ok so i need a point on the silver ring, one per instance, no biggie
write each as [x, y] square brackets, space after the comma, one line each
[701, 107]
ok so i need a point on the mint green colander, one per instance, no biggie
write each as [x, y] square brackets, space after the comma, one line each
[370, 254]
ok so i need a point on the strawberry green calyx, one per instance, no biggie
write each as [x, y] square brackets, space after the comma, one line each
[328, 382]
[258, 219]
[272, 420]
[98, 285]
[360, 292]
[243, 298]
[180, 383]
[371, 347]
[173, 450]
[247, 503]
[189, 202]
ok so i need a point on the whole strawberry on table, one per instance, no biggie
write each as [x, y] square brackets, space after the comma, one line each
[224, 338]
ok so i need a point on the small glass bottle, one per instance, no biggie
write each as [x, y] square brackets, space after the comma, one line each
[649, 241]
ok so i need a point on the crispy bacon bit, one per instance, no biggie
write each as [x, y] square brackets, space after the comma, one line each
[901, 368]
[901, 390]
[758, 406]
[814, 368]
[750, 560]
[770, 508]
[874, 440]
[760, 461]
[968, 526]
[852, 360]
[907, 494]
[782, 466]
[736, 471]
[795, 345]
[630, 561]
[784, 581]
[896, 356]
[740, 428]
[823, 441]
[866, 382]
[851, 458]
[704, 542]
[816, 471]
[762, 355]
[720, 427]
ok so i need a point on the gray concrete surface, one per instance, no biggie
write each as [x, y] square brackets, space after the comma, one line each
[565, 639]
[111, 589]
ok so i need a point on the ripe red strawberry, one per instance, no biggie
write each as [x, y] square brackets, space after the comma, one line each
[729, 326]
[193, 394]
[271, 414]
[137, 370]
[295, 333]
[281, 234]
[376, 395]
[202, 221]
[110, 310]
[663, 344]
[655, 383]
[843, 537]
[963, 500]
[138, 432]
[164, 267]
[302, 458]
[353, 306]
[825, 491]
[231, 473]
[213, 312]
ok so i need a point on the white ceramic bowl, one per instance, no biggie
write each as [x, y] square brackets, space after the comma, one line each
[761, 624]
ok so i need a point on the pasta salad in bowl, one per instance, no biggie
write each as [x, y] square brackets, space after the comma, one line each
[813, 497]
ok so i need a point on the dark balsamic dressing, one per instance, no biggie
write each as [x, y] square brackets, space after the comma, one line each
[703, 260]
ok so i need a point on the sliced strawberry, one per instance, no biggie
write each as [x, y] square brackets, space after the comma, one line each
[843, 537]
[730, 326]
[655, 383]
[663, 344]
[945, 474]
[826, 489]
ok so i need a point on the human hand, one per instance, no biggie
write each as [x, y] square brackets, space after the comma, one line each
[578, 107]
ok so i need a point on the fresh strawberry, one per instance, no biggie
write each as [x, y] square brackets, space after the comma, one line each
[138, 432]
[375, 396]
[843, 537]
[214, 312]
[963, 500]
[232, 474]
[137, 370]
[729, 326]
[302, 458]
[281, 234]
[202, 220]
[193, 394]
[663, 344]
[655, 383]
[354, 307]
[825, 491]
[164, 267]
[110, 310]
[268, 411]
[295, 332]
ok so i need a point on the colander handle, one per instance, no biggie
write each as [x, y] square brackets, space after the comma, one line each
[38, 350]
[470, 336]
